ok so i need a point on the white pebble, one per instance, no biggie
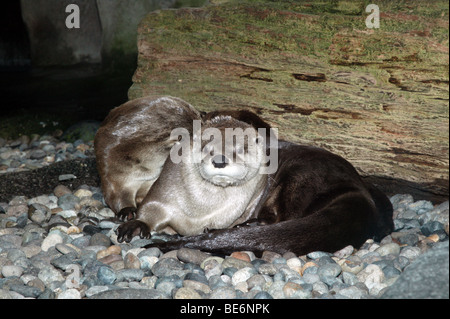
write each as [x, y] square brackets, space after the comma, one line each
[371, 275]
[389, 249]
[70, 294]
[12, 270]
[51, 240]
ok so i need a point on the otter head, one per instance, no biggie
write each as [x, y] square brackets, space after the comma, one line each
[231, 151]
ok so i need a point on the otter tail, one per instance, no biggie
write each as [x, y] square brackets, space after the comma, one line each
[349, 222]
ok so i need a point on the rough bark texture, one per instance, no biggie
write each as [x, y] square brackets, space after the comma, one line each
[378, 97]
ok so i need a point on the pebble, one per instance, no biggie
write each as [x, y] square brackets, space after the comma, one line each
[242, 275]
[52, 240]
[11, 270]
[43, 239]
[187, 293]
[191, 256]
[69, 294]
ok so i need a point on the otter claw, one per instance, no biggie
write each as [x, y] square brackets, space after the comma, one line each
[128, 230]
[127, 213]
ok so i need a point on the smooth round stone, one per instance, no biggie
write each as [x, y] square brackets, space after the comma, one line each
[106, 275]
[197, 286]
[388, 249]
[37, 154]
[52, 240]
[11, 270]
[267, 269]
[131, 274]
[191, 255]
[317, 254]
[352, 265]
[223, 293]
[276, 290]
[111, 259]
[410, 252]
[344, 252]
[91, 291]
[167, 267]
[269, 256]
[15, 254]
[235, 263]
[132, 261]
[38, 213]
[243, 275]
[241, 255]
[106, 224]
[256, 281]
[331, 269]
[26, 291]
[187, 293]
[349, 278]
[68, 201]
[80, 193]
[147, 262]
[61, 190]
[212, 268]
[353, 292]
[263, 295]
[99, 239]
[70, 294]
[370, 275]
[153, 251]
[311, 278]
[49, 274]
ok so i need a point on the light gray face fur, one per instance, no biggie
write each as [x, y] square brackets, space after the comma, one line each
[231, 161]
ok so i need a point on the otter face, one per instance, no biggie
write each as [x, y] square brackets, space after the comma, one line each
[231, 152]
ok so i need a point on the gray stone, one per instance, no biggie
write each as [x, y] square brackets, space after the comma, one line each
[68, 201]
[243, 275]
[194, 256]
[427, 277]
[168, 267]
[26, 291]
[223, 293]
[106, 275]
[130, 294]
[329, 270]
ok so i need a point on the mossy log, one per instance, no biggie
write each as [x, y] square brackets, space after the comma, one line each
[378, 97]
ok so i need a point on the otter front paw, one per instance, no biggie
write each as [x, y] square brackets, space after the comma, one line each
[132, 228]
[127, 213]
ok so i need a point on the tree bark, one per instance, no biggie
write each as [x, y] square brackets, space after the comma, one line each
[377, 97]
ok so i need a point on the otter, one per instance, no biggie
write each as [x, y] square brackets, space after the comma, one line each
[132, 145]
[315, 200]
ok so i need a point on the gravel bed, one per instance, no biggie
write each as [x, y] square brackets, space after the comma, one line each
[63, 245]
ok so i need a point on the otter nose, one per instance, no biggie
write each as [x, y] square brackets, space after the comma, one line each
[219, 161]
